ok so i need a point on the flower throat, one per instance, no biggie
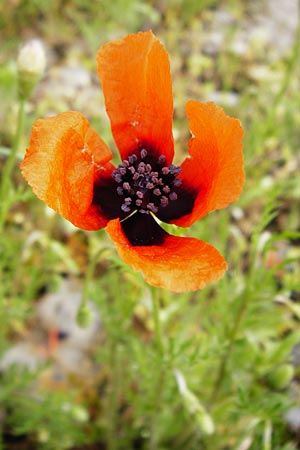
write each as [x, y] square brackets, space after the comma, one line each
[145, 184]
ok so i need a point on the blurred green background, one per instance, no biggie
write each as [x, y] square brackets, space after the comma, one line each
[235, 344]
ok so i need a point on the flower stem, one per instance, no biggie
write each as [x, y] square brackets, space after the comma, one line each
[158, 388]
[224, 360]
[112, 441]
[292, 63]
[6, 183]
[290, 68]
[246, 297]
[157, 324]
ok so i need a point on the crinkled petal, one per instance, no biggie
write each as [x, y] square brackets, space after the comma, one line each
[214, 168]
[137, 87]
[179, 264]
[64, 158]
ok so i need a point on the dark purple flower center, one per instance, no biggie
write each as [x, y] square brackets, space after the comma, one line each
[146, 185]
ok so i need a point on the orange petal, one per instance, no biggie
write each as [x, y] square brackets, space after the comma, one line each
[179, 264]
[214, 168]
[137, 87]
[64, 158]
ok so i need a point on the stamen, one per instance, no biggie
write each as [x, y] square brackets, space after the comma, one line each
[152, 207]
[164, 201]
[177, 182]
[143, 153]
[117, 176]
[132, 158]
[175, 170]
[122, 170]
[126, 186]
[141, 167]
[173, 196]
[125, 208]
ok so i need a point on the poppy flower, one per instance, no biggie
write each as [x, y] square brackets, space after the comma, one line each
[69, 167]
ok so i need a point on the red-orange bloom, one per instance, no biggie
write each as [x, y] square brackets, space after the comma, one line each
[68, 166]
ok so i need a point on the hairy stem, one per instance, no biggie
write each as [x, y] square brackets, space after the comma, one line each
[159, 385]
[6, 183]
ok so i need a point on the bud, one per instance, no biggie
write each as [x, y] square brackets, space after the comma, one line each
[43, 435]
[31, 65]
[281, 376]
[194, 406]
[196, 409]
[80, 414]
[84, 316]
[205, 422]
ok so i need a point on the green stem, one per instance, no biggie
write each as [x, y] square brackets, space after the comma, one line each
[112, 441]
[267, 439]
[293, 61]
[84, 314]
[6, 184]
[237, 319]
[117, 372]
[89, 276]
[158, 388]
[290, 68]
[156, 320]
[20, 128]
[225, 358]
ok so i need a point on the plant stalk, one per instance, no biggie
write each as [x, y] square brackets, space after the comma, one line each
[158, 387]
[6, 183]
